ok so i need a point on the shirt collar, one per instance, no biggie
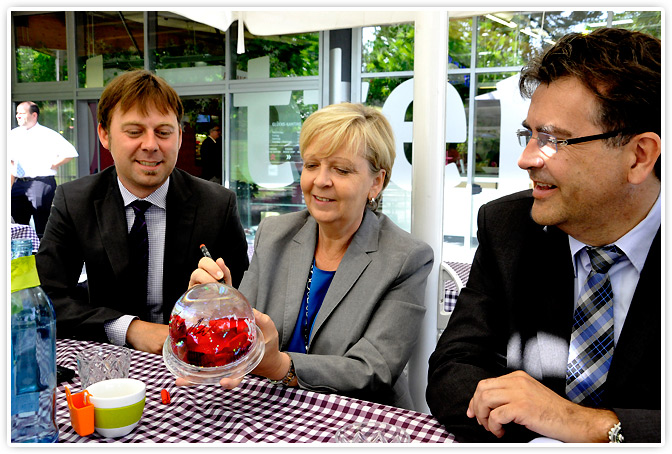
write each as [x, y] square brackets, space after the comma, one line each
[158, 197]
[635, 244]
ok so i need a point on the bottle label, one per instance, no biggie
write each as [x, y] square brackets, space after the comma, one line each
[24, 273]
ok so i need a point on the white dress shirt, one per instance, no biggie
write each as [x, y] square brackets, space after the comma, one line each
[36, 149]
[155, 217]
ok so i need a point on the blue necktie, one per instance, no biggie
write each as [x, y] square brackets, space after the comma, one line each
[592, 343]
[138, 244]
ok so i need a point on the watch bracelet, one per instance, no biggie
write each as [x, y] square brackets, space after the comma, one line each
[288, 377]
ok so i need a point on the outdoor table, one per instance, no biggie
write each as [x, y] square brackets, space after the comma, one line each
[257, 411]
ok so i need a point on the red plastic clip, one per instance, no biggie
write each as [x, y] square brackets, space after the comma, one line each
[165, 396]
[81, 411]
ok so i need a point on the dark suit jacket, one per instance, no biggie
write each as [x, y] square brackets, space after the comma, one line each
[515, 313]
[368, 323]
[87, 224]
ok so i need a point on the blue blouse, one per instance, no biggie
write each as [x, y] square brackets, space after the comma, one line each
[318, 289]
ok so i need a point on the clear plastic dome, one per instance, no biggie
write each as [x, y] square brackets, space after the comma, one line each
[213, 335]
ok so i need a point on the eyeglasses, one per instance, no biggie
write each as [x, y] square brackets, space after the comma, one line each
[549, 144]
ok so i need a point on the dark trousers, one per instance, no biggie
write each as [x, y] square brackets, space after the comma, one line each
[33, 197]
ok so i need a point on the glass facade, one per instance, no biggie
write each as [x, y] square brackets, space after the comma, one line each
[259, 98]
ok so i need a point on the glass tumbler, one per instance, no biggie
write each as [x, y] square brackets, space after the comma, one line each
[103, 362]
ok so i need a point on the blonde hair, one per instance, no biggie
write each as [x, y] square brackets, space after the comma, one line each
[360, 129]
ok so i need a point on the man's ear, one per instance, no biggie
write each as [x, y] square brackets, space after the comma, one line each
[645, 149]
[103, 136]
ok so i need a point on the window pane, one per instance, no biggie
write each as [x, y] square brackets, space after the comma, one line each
[388, 48]
[108, 43]
[459, 43]
[278, 56]
[201, 115]
[265, 159]
[526, 34]
[40, 47]
[643, 21]
[60, 116]
[187, 51]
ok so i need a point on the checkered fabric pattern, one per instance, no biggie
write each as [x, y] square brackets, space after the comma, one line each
[255, 412]
[25, 231]
[450, 299]
[592, 341]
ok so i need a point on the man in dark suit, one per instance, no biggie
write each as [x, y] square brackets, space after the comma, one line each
[97, 221]
[530, 350]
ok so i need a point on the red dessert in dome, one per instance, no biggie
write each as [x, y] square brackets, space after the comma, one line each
[210, 343]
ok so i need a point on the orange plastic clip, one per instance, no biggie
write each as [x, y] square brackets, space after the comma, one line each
[81, 411]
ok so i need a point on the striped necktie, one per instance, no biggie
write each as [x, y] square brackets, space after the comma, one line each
[138, 244]
[592, 342]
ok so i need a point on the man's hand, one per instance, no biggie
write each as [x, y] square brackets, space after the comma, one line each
[518, 398]
[210, 271]
[146, 336]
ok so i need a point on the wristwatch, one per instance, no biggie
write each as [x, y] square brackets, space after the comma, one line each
[615, 435]
[288, 377]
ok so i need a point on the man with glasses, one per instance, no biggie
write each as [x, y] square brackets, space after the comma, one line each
[557, 332]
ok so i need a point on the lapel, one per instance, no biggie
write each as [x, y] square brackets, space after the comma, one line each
[555, 296]
[354, 262]
[300, 257]
[111, 220]
[181, 208]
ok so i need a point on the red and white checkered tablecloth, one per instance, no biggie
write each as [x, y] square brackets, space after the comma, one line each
[256, 411]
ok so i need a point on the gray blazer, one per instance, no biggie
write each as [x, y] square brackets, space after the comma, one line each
[368, 324]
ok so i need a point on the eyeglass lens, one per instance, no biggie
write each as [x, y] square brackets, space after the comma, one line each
[543, 139]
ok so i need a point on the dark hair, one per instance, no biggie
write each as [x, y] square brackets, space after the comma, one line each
[139, 88]
[32, 107]
[622, 69]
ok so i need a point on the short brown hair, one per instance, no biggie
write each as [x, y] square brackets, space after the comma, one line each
[620, 67]
[363, 130]
[139, 88]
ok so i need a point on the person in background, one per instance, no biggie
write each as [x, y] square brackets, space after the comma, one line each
[35, 153]
[211, 155]
[338, 289]
[136, 226]
[557, 333]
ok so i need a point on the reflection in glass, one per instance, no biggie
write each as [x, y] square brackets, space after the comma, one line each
[188, 52]
[202, 118]
[41, 47]
[265, 158]
[288, 55]
[108, 43]
[511, 39]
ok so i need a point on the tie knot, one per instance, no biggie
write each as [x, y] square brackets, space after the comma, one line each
[140, 206]
[601, 258]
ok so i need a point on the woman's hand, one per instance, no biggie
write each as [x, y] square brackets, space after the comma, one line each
[274, 364]
[226, 383]
[210, 271]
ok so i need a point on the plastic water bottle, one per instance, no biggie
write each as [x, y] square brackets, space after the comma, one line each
[33, 399]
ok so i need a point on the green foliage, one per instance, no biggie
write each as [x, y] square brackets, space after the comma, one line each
[36, 65]
[290, 55]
